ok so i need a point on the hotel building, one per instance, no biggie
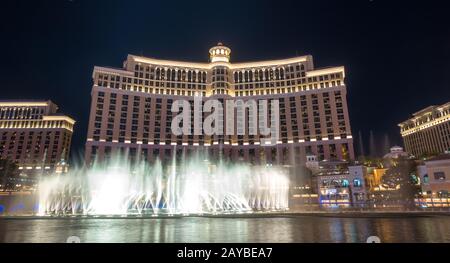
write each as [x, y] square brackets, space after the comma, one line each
[428, 131]
[131, 108]
[34, 135]
[435, 181]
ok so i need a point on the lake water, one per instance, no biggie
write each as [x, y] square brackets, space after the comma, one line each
[228, 230]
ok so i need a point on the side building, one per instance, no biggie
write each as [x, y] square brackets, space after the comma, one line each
[339, 183]
[435, 181]
[34, 135]
[131, 108]
[428, 131]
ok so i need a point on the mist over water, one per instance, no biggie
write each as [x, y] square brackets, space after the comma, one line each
[119, 186]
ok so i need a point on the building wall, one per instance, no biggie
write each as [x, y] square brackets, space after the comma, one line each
[33, 135]
[435, 183]
[428, 132]
[345, 188]
[131, 109]
[438, 177]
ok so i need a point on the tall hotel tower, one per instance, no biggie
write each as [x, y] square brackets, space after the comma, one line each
[131, 108]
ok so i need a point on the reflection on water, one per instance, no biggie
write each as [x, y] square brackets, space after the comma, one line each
[228, 230]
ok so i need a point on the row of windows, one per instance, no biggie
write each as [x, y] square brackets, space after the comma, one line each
[426, 118]
[431, 140]
[341, 183]
[20, 113]
[266, 74]
[241, 90]
[31, 147]
[158, 73]
[275, 155]
[155, 128]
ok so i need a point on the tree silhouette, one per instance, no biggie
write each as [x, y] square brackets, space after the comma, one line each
[8, 170]
[402, 176]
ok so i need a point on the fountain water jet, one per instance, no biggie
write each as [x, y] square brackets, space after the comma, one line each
[119, 187]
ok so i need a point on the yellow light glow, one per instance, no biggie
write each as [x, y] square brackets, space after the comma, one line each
[23, 104]
[325, 71]
[59, 118]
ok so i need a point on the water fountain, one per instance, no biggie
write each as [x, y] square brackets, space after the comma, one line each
[195, 186]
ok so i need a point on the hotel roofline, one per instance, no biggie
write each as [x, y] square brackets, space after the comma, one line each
[311, 72]
[239, 65]
[25, 103]
[423, 112]
[33, 103]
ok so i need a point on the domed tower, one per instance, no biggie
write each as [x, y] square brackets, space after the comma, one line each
[220, 77]
[219, 53]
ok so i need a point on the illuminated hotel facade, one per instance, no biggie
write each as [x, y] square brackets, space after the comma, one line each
[428, 131]
[131, 108]
[34, 135]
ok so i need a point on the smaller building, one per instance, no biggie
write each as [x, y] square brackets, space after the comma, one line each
[435, 181]
[395, 153]
[340, 184]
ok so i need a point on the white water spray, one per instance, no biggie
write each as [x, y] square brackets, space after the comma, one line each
[196, 186]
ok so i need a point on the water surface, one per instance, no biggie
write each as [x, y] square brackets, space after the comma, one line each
[228, 230]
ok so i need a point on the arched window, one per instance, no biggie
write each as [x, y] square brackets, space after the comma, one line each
[357, 182]
[345, 183]
[426, 179]
[169, 74]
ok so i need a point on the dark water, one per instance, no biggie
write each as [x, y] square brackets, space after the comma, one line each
[195, 229]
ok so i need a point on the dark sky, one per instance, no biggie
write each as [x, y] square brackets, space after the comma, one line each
[397, 55]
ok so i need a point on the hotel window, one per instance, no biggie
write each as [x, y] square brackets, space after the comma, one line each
[439, 176]
[345, 183]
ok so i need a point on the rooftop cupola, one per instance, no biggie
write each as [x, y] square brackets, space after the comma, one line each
[219, 53]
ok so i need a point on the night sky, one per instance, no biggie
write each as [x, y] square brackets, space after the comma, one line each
[397, 55]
